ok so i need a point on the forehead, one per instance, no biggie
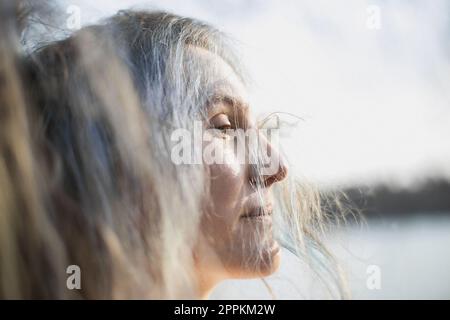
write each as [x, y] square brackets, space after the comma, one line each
[221, 76]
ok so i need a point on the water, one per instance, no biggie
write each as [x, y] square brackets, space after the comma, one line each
[407, 258]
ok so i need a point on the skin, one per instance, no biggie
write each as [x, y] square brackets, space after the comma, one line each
[232, 244]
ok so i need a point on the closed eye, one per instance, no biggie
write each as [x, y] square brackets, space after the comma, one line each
[224, 127]
[221, 122]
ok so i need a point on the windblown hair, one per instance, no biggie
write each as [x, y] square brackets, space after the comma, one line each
[85, 172]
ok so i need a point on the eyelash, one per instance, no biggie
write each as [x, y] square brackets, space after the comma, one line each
[224, 127]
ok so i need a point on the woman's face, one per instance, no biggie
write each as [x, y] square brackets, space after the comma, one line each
[236, 231]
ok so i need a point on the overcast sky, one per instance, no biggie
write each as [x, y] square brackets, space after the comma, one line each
[370, 78]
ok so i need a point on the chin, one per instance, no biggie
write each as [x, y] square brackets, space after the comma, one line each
[270, 266]
[263, 268]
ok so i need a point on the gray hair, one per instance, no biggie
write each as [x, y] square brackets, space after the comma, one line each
[108, 194]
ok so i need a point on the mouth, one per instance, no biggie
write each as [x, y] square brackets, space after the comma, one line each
[258, 213]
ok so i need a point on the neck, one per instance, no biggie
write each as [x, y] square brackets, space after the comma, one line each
[206, 284]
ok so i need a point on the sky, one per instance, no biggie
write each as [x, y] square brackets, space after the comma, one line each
[371, 79]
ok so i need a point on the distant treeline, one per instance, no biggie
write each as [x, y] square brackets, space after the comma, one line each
[431, 196]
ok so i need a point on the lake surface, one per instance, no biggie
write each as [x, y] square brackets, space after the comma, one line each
[390, 259]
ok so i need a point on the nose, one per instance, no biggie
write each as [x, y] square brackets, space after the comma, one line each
[274, 171]
[280, 175]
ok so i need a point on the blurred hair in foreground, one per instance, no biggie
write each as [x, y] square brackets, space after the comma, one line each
[85, 170]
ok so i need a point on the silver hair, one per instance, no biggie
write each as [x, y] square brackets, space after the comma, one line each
[108, 193]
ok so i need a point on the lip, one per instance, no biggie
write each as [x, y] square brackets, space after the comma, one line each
[258, 213]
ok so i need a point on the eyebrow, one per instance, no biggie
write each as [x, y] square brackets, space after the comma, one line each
[229, 100]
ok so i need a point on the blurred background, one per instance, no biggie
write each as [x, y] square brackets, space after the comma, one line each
[371, 81]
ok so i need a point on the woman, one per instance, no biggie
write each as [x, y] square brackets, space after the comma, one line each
[89, 176]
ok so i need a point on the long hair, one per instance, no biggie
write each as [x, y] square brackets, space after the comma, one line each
[85, 167]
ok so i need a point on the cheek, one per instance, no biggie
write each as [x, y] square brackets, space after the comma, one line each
[227, 185]
[227, 189]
